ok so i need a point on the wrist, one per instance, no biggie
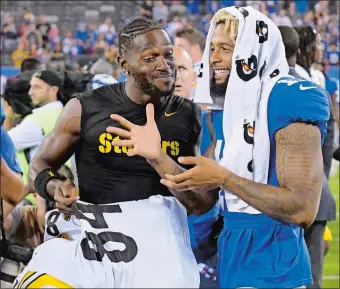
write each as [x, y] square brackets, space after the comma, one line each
[51, 186]
[226, 180]
[157, 157]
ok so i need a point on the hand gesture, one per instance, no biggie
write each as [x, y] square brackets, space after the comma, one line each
[206, 175]
[65, 195]
[144, 141]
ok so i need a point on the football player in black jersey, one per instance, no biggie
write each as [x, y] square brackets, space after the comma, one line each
[146, 56]
[113, 173]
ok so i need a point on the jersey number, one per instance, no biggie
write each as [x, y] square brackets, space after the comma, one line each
[96, 251]
[51, 227]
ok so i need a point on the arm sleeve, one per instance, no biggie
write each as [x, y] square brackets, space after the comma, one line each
[289, 105]
[8, 152]
[26, 135]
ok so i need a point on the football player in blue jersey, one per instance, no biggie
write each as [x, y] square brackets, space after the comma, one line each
[262, 243]
[265, 250]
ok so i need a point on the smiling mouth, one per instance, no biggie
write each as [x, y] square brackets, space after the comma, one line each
[221, 72]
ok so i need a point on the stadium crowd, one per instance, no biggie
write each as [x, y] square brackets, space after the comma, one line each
[52, 81]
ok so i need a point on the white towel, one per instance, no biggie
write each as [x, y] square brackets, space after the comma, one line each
[259, 47]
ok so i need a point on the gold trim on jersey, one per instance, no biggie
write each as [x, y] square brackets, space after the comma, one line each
[41, 280]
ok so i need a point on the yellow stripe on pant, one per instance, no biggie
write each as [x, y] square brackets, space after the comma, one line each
[43, 280]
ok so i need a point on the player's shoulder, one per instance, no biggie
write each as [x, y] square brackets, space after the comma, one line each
[109, 90]
[295, 100]
[292, 90]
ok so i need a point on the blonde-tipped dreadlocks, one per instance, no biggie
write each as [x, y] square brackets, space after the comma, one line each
[231, 23]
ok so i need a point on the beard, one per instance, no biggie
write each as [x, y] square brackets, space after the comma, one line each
[149, 88]
[217, 91]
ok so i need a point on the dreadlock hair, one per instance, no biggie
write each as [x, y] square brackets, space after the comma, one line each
[307, 46]
[231, 23]
[138, 26]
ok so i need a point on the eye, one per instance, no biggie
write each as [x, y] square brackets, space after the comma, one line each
[149, 59]
[169, 54]
[212, 48]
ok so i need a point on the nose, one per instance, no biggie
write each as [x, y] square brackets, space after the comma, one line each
[215, 57]
[163, 65]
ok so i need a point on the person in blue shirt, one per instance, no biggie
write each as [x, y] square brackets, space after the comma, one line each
[267, 250]
[12, 186]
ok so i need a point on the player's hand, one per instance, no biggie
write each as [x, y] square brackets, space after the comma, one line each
[144, 141]
[65, 195]
[206, 174]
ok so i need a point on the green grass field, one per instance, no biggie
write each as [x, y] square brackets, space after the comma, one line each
[331, 266]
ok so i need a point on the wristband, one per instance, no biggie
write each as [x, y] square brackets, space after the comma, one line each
[42, 179]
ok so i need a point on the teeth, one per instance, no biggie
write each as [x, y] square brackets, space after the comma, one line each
[221, 71]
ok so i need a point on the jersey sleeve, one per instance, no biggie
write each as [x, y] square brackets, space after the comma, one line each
[297, 101]
[8, 152]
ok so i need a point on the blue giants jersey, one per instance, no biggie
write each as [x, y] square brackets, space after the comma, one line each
[277, 248]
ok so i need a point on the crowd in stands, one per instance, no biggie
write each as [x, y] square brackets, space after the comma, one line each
[35, 37]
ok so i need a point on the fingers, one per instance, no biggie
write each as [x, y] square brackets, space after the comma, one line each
[123, 122]
[189, 160]
[118, 131]
[150, 113]
[123, 143]
[180, 177]
[65, 195]
[181, 187]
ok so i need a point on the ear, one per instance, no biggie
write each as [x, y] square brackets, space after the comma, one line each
[123, 64]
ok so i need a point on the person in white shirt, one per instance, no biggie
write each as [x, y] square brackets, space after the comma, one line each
[45, 87]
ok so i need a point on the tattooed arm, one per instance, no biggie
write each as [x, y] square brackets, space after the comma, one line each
[299, 170]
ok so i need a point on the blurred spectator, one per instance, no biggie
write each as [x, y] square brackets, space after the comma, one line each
[54, 33]
[205, 23]
[33, 35]
[28, 17]
[44, 54]
[44, 29]
[146, 9]
[100, 42]
[67, 43]
[193, 41]
[19, 54]
[174, 25]
[108, 30]
[92, 38]
[193, 7]
[16, 102]
[308, 19]
[30, 64]
[160, 11]
[33, 50]
[176, 7]
[58, 56]
[282, 19]
[10, 34]
[332, 54]
[81, 32]
[112, 53]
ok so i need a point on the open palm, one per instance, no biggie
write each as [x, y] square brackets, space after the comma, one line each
[144, 141]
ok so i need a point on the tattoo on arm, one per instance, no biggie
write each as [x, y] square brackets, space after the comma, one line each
[299, 170]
